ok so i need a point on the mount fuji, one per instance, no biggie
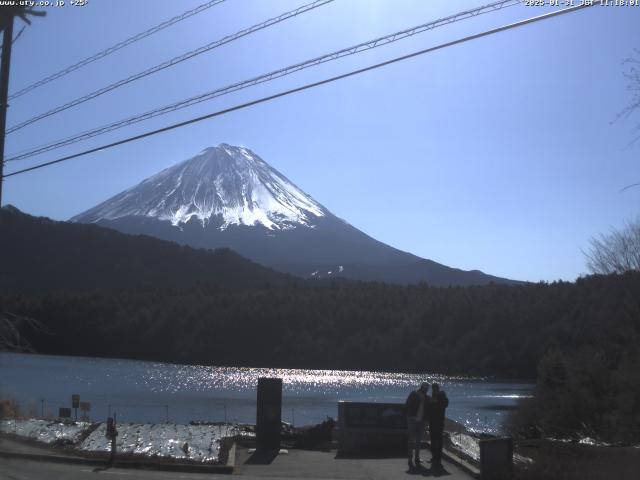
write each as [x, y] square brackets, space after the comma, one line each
[227, 196]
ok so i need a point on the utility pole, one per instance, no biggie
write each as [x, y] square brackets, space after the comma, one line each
[7, 40]
[7, 14]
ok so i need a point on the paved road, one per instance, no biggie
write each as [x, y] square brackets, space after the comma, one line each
[303, 464]
[11, 469]
[295, 465]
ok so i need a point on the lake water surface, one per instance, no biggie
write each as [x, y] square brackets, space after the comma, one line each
[156, 392]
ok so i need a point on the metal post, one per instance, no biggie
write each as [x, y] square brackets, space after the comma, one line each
[5, 62]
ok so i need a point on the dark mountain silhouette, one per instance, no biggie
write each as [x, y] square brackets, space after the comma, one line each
[38, 254]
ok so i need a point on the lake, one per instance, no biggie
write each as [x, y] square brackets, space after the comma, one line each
[140, 391]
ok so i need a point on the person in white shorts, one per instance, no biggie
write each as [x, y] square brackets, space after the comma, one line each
[415, 408]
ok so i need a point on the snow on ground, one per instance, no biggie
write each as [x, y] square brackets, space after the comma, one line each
[199, 443]
[45, 431]
[471, 447]
[466, 444]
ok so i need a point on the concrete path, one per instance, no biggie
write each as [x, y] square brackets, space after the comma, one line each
[303, 464]
[314, 465]
[14, 469]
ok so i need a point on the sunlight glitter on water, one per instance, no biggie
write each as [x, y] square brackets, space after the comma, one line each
[153, 392]
[168, 377]
[514, 396]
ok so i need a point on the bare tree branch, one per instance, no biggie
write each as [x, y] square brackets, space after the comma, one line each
[617, 251]
[632, 74]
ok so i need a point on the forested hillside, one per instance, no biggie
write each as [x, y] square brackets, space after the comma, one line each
[490, 330]
[39, 254]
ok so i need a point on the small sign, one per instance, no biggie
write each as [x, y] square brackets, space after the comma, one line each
[75, 400]
[64, 413]
[85, 406]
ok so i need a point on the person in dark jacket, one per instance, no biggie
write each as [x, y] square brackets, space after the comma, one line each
[416, 410]
[437, 406]
[111, 433]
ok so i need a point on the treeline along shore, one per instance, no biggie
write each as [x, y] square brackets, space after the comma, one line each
[581, 340]
[501, 331]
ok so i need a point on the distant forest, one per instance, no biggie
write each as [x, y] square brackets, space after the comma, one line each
[490, 330]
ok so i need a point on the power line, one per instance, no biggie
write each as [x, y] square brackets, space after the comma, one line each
[633, 185]
[15, 39]
[307, 86]
[394, 37]
[116, 47]
[174, 61]
[7, 17]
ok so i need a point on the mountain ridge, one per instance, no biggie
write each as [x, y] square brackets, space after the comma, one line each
[85, 256]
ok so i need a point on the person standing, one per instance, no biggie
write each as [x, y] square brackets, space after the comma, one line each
[437, 406]
[416, 409]
[111, 434]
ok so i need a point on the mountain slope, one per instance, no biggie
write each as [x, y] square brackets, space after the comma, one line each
[39, 254]
[227, 196]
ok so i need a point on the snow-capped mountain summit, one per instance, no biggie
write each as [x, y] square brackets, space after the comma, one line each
[223, 186]
[227, 196]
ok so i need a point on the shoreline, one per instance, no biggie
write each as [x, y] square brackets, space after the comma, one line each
[158, 392]
[431, 376]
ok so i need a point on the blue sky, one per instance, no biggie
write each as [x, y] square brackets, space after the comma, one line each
[501, 154]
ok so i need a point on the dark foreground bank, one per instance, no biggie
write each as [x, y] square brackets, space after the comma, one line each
[554, 460]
